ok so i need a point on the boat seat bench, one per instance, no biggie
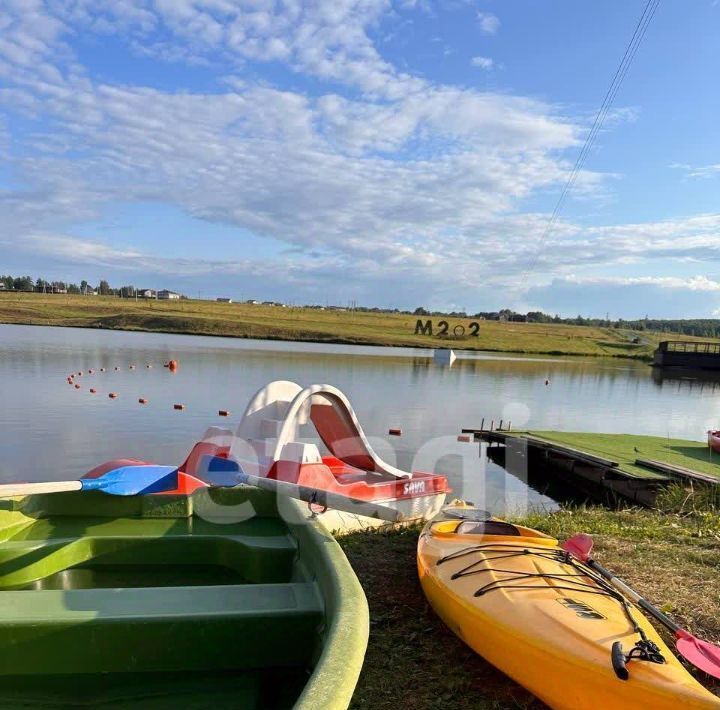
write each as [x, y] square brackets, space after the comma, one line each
[257, 559]
[158, 628]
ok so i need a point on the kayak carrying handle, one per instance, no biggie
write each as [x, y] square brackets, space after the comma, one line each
[618, 661]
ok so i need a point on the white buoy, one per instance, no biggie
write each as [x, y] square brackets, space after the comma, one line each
[444, 356]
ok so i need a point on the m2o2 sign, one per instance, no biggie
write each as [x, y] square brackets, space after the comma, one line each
[442, 329]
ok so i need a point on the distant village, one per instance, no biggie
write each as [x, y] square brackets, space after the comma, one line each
[27, 285]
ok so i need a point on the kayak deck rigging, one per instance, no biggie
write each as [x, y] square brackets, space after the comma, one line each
[572, 581]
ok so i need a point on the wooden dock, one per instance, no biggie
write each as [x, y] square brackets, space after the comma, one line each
[678, 472]
[688, 354]
[596, 476]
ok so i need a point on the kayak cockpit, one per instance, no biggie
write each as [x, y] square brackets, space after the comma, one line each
[490, 530]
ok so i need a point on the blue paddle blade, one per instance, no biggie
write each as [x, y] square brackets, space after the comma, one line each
[218, 471]
[134, 480]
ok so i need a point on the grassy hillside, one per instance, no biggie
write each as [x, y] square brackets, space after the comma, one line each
[249, 321]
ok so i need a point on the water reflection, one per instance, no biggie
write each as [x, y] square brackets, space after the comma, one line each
[49, 430]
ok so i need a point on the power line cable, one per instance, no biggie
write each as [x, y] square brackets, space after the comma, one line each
[620, 73]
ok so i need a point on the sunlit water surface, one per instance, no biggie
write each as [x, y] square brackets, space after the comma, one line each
[50, 430]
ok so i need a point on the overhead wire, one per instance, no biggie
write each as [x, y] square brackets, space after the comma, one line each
[631, 50]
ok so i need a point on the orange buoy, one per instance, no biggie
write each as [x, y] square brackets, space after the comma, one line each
[77, 387]
[178, 406]
[464, 438]
[395, 432]
[223, 413]
[172, 365]
[92, 391]
[112, 395]
[142, 400]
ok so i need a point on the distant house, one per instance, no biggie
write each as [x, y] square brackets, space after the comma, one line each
[49, 289]
[3, 287]
[88, 291]
[253, 302]
[224, 300]
[147, 293]
[166, 295]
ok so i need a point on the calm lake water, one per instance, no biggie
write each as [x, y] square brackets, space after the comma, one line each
[51, 431]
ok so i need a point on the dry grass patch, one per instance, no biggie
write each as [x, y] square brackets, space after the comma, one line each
[414, 661]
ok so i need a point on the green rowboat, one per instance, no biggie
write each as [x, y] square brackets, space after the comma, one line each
[222, 598]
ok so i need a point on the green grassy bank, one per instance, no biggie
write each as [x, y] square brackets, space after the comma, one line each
[273, 322]
[625, 449]
[413, 660]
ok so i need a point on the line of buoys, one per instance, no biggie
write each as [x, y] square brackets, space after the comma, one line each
[171, 365]
[395, 432]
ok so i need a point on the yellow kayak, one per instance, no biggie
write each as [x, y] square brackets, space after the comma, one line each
[550, 623]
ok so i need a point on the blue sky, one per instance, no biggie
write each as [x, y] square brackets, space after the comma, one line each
[393, 153]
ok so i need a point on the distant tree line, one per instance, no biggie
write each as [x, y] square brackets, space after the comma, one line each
[27, 283]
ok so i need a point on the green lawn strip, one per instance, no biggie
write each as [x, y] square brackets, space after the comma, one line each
[627, 448]
[413, 660]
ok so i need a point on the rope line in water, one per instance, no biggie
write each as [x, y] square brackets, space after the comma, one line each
[171, 365]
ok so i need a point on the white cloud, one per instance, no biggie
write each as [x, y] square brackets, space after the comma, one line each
[694, 283]
[699, 171]
[488, 22]
[482, 62]
[375, 178]
[632, 297]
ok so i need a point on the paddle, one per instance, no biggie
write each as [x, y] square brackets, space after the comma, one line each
[701, 654]
[225, 473]
[123, 481]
